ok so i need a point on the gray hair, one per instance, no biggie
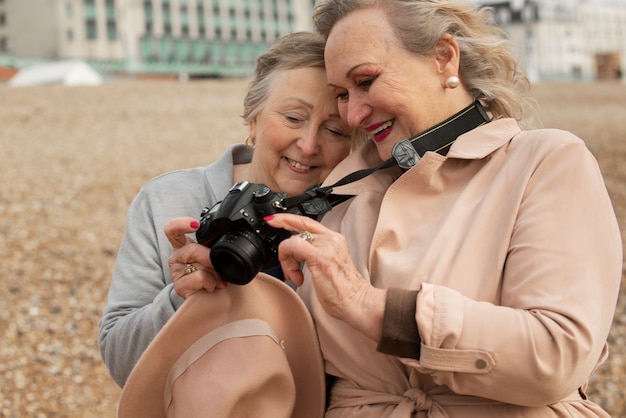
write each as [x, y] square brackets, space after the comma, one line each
[488, 66]
[295, 50]
[291, 51]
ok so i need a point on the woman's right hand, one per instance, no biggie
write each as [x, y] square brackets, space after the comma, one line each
[187, 252]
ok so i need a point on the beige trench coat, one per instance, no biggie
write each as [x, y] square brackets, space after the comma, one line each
[513, 243]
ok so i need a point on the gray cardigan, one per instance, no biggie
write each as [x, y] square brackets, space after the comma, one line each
[142, 297]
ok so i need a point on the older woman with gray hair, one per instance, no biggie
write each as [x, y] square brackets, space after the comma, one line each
[295, 139]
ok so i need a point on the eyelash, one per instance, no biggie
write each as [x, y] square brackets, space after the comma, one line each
[293, 119]
[366, 82]
[336, 132]
[363, 84]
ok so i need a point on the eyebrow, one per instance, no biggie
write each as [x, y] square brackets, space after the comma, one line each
[304, 102]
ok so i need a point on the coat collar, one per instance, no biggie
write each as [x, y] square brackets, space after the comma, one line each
[482, 141]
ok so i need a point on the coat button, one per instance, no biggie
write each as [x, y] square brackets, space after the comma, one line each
[481, 364]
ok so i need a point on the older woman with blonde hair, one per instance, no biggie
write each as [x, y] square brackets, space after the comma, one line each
[478, 276]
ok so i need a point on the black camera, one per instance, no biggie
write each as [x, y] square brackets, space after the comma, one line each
[241, 242]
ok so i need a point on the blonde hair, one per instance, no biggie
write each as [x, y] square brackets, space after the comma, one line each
[488, 67]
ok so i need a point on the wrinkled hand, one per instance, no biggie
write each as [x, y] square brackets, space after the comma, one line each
[185, 252]
[340, 288]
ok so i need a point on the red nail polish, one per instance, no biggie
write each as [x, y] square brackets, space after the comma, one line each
[268, 218]
[194, 224]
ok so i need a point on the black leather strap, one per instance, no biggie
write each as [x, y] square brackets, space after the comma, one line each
[406, 154]
[438, 138]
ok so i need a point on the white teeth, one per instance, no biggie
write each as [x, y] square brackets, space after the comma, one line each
[382, 128]
[297, 165]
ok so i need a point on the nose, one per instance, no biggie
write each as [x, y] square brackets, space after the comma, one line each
[308, 143]
[357, 111]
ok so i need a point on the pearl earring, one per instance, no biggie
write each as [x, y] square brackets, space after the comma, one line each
[452, 82]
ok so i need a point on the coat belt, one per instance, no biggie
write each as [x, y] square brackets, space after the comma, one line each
[411, 401]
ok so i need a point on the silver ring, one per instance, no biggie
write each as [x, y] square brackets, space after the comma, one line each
[307, 236]
[189, 268]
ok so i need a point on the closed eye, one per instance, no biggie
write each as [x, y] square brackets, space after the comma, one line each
[365, 83]
[342, 96]
[293, 118]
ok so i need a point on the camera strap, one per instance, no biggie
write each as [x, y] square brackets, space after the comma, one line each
[405, 153]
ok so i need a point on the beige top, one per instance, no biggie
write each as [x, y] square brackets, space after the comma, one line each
[513, 244]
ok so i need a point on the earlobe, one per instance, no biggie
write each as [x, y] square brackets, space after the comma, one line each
[252, 128]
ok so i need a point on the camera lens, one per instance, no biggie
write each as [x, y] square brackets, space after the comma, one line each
[238, 256]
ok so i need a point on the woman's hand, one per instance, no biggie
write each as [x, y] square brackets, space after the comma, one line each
[340, 288]
[190, 262]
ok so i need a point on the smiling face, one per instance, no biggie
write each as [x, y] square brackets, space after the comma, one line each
[381, 87]
[298, 133]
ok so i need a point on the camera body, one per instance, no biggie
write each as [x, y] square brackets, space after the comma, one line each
[241, 242]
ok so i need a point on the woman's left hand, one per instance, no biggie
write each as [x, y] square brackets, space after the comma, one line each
[190, 262]
[340, 288]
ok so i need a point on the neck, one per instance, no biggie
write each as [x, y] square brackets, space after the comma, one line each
[440, 137]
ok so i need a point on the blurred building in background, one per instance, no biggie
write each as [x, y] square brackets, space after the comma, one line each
[193, 37]
[571, 40]
[566, 40]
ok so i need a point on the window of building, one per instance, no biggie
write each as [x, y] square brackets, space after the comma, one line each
[167, 18]
[68, 10]
[148, 16]
[147, 10]
[110, 19]
[184, 19]
[92, 32]
[201, 22]
[263, 29]
[90, 9]
[167, 13]
[233, 22]
[69, 35]
[2, 19]
[247, 18]
[111, 31]
[90, 19]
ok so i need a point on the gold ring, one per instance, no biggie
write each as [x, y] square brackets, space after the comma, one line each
[189, 268]
[307, 236]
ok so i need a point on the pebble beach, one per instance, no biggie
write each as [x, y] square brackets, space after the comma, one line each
[73, 158]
